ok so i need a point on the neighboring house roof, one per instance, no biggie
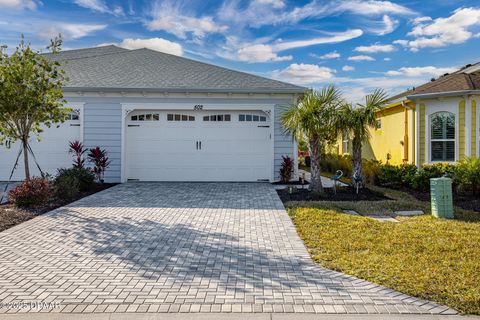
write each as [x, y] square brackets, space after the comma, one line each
[111, 68]
[449, 83]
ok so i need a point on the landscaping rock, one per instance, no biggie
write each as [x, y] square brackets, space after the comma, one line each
[351, 212]
[410, 213]
[383, 218]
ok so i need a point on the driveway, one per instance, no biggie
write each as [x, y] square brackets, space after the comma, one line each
[178, 247]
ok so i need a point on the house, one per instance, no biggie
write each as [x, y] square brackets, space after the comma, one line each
[166, 118]
[435, 122]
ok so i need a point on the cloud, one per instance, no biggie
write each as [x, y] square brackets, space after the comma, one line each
[326, 56]
[361, 58]
[387, 59]
[19, 4]
[304, 74]
[330, 38]
[168, 16]
[261, 12]
[260, 53]
[70, 30]
[157, 44]
[420, 71]
[348, 68]
[375, 48]
[373, 7]
[268, 52]
[95, 5]
[443, 32]
[277, 4]
[386, 26]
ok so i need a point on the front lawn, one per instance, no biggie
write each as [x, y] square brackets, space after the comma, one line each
[429, 258]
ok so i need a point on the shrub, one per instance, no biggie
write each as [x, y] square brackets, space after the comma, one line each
[371, 170]
[32, 192]
[286, 169]
[333, 162]
[69, 182]
[78, 150]
[98, 157]
[421, 181]
[466, 175]
[396, 176]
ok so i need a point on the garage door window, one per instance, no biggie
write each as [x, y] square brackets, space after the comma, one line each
[251, 118]
[217, 117]
[146, 117]
[73, 116]
[179, 117]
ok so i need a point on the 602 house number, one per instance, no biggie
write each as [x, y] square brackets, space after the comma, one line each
[198, 107]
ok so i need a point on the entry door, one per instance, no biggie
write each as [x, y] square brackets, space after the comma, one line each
[198, 146]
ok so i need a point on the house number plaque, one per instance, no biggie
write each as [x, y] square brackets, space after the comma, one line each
[198, 107]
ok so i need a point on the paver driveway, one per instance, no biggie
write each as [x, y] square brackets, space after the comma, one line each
[179, 247]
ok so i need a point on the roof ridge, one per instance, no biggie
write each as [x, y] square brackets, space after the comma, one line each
[123, 50]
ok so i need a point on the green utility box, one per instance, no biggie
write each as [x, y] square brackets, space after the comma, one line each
[441, 197]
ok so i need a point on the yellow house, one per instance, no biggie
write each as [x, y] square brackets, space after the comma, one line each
[435, 122]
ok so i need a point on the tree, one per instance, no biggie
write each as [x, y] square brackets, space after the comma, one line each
[357, 121]
[30, 94]
[313, 119]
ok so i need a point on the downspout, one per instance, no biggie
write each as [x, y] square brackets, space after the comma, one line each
[405, 135]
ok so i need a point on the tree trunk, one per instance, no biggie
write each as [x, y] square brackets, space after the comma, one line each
[315, 157]
[25, 157]
[357, 157]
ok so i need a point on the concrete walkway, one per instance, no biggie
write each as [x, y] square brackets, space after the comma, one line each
[179, 248]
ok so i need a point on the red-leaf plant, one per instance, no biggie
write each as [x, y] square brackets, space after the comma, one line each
[287, 169]
[98, 157]
[78, 150]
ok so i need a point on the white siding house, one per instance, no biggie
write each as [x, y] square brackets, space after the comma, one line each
[167, 118]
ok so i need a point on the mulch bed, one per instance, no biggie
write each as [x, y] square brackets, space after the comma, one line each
[11, 215]
[343, 194]
[292, 183]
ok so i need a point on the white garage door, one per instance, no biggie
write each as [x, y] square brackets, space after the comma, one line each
[51, 152]
[198, 146]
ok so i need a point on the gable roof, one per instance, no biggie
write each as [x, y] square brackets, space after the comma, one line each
[113, 68]
[459, 81]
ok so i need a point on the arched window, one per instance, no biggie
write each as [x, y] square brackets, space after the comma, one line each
[442, 136]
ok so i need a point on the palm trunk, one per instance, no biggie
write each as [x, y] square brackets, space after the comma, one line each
[25, 157]
[315, 157]
[357, 157]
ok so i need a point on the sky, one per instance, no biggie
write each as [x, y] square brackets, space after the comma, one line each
[358, 45]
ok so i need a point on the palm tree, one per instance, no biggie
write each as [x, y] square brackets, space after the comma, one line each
[313, 119]
[357, 121]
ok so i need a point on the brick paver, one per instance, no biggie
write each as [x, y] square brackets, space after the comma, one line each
[178, 247]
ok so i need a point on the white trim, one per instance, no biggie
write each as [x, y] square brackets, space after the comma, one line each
[206, 106]
[272, 143]
[417, 134]
[477, 132]
[125, 112]
[443, 106]
[468, 126]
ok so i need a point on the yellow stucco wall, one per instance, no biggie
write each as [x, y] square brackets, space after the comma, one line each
[461, 129]
[389, 138]
[422, 134]
[473, 129]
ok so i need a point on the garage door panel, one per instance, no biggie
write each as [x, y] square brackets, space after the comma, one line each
[167, 150]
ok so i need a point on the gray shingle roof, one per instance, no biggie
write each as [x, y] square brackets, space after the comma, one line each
[111, 67]
[448, 83]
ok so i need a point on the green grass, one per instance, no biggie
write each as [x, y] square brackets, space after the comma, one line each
[429, 258]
